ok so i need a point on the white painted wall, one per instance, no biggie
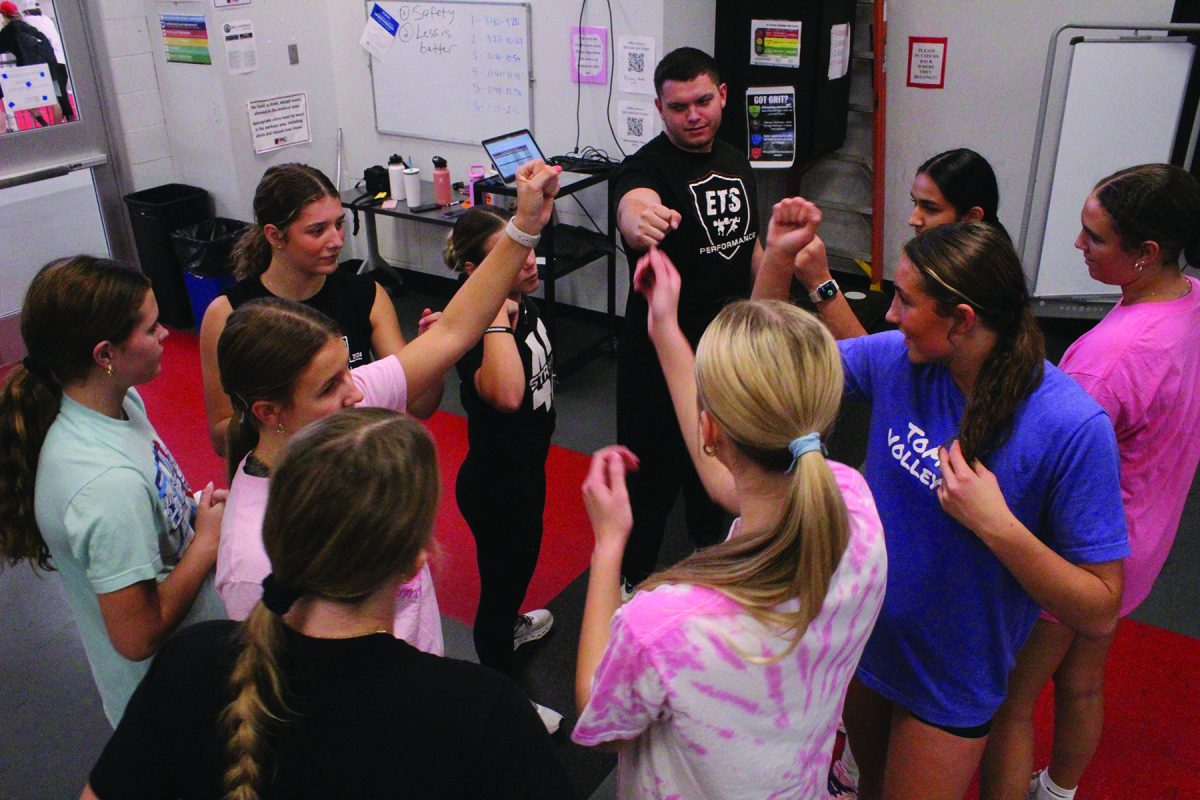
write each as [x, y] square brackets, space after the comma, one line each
[995, 64]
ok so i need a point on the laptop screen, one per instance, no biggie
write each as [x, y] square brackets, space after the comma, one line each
[510, 151]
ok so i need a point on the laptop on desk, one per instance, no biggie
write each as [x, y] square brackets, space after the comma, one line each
[509, 151]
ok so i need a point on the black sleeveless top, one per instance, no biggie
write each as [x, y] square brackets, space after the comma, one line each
[346, 299]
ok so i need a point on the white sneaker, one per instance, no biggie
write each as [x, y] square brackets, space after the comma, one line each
[550, 718]
[627, 591]
[532, 626]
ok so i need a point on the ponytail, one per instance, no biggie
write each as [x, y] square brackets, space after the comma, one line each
[251, 254]
[768, 373]
[28, 406]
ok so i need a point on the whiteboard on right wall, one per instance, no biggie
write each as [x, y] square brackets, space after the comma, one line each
[1122, 108]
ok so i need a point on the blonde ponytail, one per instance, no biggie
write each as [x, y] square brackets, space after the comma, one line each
[768, 373]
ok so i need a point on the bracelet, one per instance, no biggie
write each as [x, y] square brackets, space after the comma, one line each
[499, 329]
[519, 236]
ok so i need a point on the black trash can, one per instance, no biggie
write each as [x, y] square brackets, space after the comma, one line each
[153, 214]
[203, 250]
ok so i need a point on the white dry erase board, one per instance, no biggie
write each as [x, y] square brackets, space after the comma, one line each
[1123, 103]
[457, 72]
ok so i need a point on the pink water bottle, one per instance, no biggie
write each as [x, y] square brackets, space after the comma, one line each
[441, 182]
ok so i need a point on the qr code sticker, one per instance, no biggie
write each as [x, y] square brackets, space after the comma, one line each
[633, 126]
[637, 62]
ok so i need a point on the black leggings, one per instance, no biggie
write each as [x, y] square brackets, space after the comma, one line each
[503, 505]
[646, 424]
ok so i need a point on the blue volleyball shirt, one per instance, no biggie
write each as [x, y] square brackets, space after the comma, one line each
[953, 617]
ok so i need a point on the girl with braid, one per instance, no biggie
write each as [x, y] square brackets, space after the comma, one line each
[312, 696]
[996, 478]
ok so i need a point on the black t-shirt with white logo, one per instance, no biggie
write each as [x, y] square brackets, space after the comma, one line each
[716, 195]
[522, 437]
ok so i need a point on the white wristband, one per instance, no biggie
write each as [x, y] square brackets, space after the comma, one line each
[519, 236]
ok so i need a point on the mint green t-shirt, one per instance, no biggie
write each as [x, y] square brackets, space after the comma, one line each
[114, 509]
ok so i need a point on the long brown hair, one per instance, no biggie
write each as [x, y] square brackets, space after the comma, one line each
[71, 305]
[282, 194]
[1157, 203]
[265, 345]
[351, 505]
[975, 263]
[768, 373]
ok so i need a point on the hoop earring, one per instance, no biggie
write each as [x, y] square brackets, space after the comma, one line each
[108, 370]
[709, 449]
[279, 428]
[1139, 265]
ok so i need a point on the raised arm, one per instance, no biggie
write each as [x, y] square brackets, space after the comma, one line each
[500, 379]
[607, 501]
[794, 249]
[387, 339]
[658, 280]
[217, 407]
[480, 298]
[643, 220]
[1086, 597]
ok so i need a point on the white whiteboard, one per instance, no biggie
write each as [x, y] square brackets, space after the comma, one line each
[1122, 108]
[457, 71]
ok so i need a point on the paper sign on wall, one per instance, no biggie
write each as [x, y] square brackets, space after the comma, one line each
[771, 126]
[775, 42]
[839, 50]
[230, 3]
[635, 121]
[635, 64]
[27, 87]
[379, 34]
[927, 62]
[589, 55]
[185, 38]
[240, 51]
[277, 122]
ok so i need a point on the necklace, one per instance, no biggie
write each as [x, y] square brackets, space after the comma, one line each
[1166, 296]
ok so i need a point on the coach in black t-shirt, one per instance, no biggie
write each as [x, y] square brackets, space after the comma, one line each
[693, 196]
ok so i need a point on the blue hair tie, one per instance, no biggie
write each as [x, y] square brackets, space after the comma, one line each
[804, 444]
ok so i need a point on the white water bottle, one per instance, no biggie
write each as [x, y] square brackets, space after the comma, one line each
[396, 167]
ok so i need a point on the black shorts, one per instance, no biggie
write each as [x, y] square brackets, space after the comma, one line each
[969, 732]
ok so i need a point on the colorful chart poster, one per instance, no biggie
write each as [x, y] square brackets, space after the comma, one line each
[775, 43]
[589, 55]
[185, 38]
[771, 126]
[277, 122]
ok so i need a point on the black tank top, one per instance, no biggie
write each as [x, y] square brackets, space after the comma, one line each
[346, 299]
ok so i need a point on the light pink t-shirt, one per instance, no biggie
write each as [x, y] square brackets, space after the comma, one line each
[698, 719]
[1141, 363]
[242, 561]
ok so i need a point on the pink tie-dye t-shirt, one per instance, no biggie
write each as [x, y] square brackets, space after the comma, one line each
[698, 719]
